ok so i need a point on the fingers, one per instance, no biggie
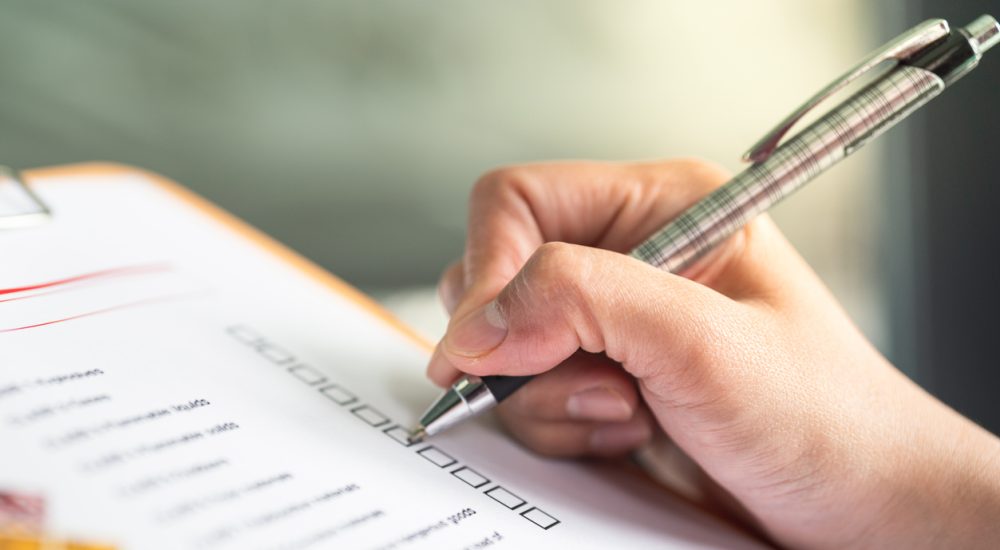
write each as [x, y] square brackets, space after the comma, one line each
[614, 206]
[584, 387]
[585, 406]
[515, 210]
[571, 297]
[440, 371]
[521, 305]
[572, 439]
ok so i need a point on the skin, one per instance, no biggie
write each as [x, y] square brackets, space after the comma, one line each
[798, 426]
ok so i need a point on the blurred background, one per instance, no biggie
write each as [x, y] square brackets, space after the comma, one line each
[353, 131]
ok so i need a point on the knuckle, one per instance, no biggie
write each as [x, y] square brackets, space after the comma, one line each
[691, 164]
[499, 181]
[702, 173]
[556, 268]
[554, 288]
[690, 173]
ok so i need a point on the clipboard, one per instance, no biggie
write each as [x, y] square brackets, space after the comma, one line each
[538, 501]
[26, 207]
[34, 211]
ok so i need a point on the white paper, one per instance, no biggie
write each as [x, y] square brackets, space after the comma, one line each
[178, 386]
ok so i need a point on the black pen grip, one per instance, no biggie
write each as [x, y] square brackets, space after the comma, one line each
[502, 386]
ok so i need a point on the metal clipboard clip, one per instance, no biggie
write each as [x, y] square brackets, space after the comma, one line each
[902, 47]
[19, 205]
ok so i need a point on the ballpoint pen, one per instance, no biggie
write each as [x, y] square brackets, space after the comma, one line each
[927, 59]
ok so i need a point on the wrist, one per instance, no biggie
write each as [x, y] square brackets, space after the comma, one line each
[944, 488]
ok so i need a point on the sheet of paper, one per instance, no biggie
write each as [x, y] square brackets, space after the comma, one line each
[167, 383]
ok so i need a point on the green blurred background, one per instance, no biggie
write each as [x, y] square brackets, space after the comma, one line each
[353, 130]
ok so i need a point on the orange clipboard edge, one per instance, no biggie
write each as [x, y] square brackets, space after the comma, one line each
[240, 227]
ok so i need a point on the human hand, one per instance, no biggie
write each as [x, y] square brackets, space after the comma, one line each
[744, 360]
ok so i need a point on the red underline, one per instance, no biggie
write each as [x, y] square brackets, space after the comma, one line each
[113, 272]
[37, 294]
[165, 298]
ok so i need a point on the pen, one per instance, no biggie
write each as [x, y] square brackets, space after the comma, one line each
[928, 58]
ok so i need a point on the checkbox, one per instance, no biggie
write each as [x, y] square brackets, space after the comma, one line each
[436, 456]
[540, 518]
[370, 416]
[505, 497]
[400, 434]
[307, 374]
[274, 354]
[244, 334]
[338, 394]
[471, 477]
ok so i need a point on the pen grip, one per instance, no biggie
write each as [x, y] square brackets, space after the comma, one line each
[502, 386]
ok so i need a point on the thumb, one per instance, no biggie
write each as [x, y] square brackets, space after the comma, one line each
[569, 297]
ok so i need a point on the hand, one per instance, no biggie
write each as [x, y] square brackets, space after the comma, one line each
[744, 360]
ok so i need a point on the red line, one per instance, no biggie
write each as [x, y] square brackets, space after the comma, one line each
[37, 294]
[128, 270]
[164, 298]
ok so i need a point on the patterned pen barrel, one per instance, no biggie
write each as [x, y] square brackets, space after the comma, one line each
[930, 57]
[839, 133]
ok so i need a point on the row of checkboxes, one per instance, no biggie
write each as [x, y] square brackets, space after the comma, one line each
[473, 478]
[376, 419]
[439, 458]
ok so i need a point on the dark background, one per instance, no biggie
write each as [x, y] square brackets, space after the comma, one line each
[945, 270]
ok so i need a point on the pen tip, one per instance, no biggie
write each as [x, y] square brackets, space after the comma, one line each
[418, 435]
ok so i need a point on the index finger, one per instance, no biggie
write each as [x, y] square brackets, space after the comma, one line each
[615, 206]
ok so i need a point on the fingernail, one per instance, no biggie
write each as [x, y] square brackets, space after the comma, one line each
[598, 404]
[618, 438]
[478, 332]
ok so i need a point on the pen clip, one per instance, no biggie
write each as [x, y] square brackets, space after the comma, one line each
[29, 210]
[901, 47]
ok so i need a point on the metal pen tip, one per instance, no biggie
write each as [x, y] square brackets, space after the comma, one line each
[418, 435]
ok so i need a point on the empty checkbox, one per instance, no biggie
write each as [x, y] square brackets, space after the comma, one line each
[400, 434]
[244, 334]
[471, 477]
[338, 395]
[371, 416]
[505, 497]
[307, 374]
[539, 518]
[274, 354]
[437, 456]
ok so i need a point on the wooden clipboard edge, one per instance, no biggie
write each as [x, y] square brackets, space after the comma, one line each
[241, 228]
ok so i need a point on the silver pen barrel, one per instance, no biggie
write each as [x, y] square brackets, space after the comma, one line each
[836, 135]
